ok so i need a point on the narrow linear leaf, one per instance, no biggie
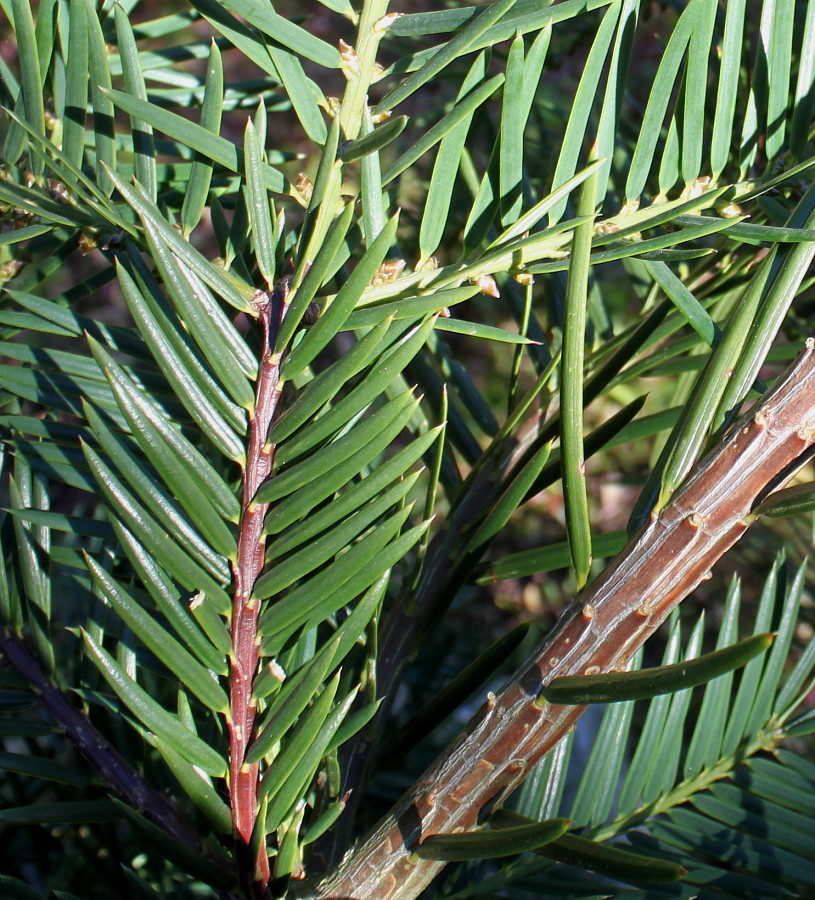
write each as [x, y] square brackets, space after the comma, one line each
[194, 136]
[319, 214]
[210, 642]
[727, 91]
[237, 294]
[76, 87]
[311, 752]
[141, 483]
[291, 701]
[372, 143]
[23, 234]
[132, 514]
[189, 671]
[113, 337]
[534, 215]
[379, 565]
[49, 769]
[764, 699]
[493, 844]
[327, 384]
[308, 559]
[304, 292]
[694, 124]
[353, 723]
[753, 233]
[782, 15]
[789, 502]
[218, 418]
[804, 103]
[476, 329]
[215, 335]
[260, 215]
[433, 135]
[308, 729]
[299, 504]
[197, 788]
[73, 812]
[153, 716]
[584, 100]
[705, 745]
[642, 685]
[380, 376]
[571, 392]
[197, 189]
[446, 167]
[326, 819]
[658, 101]
[143, 145]
[69, 524]
[513, 121]
[373, 200]
[547, 559]
[410, 307]
[509, 501]
[335, 315]
[103, 110]
[682, 298]
[605, 859]
[392, 417]
[456, 47]
[29, 58]
[150, 423]
[348, 576]
[286, 33]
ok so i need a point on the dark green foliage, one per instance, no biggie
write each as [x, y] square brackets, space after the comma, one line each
[582, 240]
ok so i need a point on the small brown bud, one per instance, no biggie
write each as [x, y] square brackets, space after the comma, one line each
[389, 271]
[731, 211]
[486, 284]
[606, 228]
[87, 242]
[304, 186]
[386, 21]
[350, 61]
[57, 191]
[696, 188]
[10, 268]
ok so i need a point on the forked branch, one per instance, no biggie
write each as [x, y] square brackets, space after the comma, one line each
[599, 632]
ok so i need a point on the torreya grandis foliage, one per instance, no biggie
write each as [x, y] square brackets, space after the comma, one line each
[377, 379]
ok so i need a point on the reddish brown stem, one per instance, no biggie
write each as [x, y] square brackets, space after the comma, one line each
[243, 779]
[602, 629]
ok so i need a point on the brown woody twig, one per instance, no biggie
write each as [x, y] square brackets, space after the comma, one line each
[116, 773]
[600, 631]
